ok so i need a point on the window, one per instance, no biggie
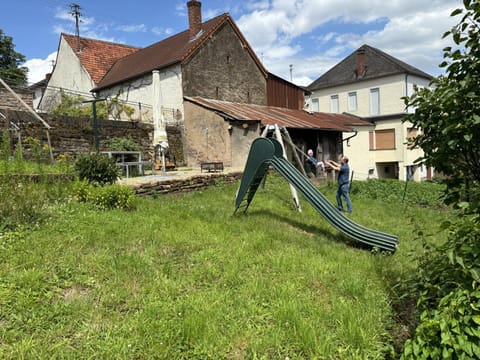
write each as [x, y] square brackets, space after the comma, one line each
[375, 101]
[352, 101]
[385, 139]
[334, 103]
[315, 105]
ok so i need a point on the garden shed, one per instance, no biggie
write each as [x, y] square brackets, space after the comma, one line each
[223, 131]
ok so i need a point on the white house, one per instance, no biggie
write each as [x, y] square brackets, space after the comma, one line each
[371, 84]
[80, 65]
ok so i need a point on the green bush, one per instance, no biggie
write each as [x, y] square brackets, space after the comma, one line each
[97, 169]
[123, 144]
[446, 285]
[450, 331]
[20, 204]
[27, 203]
[390, 190]
[106, 197]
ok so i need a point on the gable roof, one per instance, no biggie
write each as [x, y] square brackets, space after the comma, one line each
[271, 115]
[175, 49]
[98, 56]
[377, 64]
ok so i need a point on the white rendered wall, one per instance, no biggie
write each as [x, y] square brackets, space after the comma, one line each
[68, 74]
[141, 90]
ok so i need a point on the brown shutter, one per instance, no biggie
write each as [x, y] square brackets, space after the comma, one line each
[385, 139]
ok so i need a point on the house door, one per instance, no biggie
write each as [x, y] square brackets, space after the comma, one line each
[387, 170]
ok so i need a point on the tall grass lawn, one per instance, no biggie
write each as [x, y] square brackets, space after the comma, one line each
[183, 277]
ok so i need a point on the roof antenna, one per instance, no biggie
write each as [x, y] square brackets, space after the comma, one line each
[77, 14]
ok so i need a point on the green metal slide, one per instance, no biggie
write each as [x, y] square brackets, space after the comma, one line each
[265, 152]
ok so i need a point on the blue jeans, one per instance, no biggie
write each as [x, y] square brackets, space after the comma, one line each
[343, 191]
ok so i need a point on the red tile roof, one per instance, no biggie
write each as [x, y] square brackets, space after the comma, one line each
[98, 56]
[270, 115]
[175, 49]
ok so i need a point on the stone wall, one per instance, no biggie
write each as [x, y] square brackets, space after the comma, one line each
[175, 136]
[224, 69]
[9, 102]
[73, 136]
[184, 185]
[227, 141]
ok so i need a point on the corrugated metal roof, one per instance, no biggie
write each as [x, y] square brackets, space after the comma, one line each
[270, 115]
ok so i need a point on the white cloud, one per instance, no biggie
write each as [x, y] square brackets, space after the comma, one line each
[63, 14]
[209, 14]
[39, 68]
[410, 30]
[132, 28]
[257, 5]
[162, 31]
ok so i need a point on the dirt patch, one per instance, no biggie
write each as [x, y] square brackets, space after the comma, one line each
[75, 293]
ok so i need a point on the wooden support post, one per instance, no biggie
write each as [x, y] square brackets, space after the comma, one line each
[278, 135]
[294, 150]
[31, 111]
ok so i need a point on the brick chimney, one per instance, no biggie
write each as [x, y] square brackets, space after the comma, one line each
[360, 62]
[194, 17]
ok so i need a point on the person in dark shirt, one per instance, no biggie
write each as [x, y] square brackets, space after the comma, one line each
[311, 164]
[343, 182]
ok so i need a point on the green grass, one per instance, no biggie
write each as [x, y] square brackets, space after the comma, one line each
[182, 277]
[31, 167]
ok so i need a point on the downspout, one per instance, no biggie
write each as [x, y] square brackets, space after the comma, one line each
[350, 137]
[403, 129]
[406, 85]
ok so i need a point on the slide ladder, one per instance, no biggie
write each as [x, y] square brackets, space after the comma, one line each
[265, 152]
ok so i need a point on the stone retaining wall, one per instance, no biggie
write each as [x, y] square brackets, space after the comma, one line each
[75, 135]
[9, 102]
[195, 182]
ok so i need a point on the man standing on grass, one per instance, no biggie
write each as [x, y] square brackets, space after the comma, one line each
[343, 182]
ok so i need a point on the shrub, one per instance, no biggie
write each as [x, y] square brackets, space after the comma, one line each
[97, 169]
[450, 331]
[24, 203]
[413, 193]
[106, 197]
[449, 298]
[123, 144]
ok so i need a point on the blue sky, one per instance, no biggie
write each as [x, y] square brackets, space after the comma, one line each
[310, 35]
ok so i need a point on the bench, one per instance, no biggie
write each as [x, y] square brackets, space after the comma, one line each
[168, 165]
[211, 166]
[139, 164]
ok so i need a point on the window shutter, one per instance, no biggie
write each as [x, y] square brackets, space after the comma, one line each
[385, 139]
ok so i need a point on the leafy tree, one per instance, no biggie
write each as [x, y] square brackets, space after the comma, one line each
[448, 279]
[10, 70]
[449, 113]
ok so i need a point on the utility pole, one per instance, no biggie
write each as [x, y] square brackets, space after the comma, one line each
[75, 12]
[291, 69]
[95, 122]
